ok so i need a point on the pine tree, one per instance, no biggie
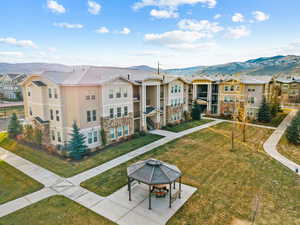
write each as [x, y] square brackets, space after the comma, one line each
[264, 113]
[14, 126]
[196, 111]
[293, 130]
[274, 109]
[76, 147]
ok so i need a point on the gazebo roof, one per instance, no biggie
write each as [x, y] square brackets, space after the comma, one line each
[152, 171]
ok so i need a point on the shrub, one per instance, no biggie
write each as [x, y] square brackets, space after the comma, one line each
[14, 126]
[103, 137]
[196, 111]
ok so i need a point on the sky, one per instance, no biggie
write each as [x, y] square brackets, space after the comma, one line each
[177, 33]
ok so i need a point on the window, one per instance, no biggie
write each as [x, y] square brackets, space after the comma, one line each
[251, 100]
[55, 93]
[53, 135]
[87, 97]
[126, 111]
[50, 92]
[28, 93]
[231, 88]
[120, 131]
[51, 114]
[118, 95]
[90, 137]
[172, 89]
[57, 115]
[112, 133]
[119, 112]
[111, 93]
[226, 88]
[95, 136]
[30, 111]
[126, 130]
[111, 113]
[88, 116]
[179, 89]
[125, 94]
[93, 97]
[94, 115]
[58, 136]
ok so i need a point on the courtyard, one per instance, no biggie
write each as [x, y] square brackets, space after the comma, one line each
[231, 184]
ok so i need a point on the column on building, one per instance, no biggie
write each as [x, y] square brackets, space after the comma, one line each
[143, 96]
[194, 91]
[209, 97]
[158, 106]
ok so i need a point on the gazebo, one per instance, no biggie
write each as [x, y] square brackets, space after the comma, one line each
[157, 175]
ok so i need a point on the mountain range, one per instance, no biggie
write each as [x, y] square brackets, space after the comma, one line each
[265, 66]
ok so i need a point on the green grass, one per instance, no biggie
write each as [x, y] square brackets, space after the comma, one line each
[227, 181]
[57, 210]
[66, 168]
[289, 150]
[15, 184]
[187, 125]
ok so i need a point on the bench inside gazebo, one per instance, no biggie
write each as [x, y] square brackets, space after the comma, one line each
[159, 176]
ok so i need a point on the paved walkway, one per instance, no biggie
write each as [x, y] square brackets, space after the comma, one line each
[271, 143]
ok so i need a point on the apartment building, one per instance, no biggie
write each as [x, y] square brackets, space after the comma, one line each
[288, 90]
[9, 88]
[230, 95]
[119, 101]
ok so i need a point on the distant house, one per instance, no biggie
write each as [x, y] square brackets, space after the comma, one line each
[9, 86]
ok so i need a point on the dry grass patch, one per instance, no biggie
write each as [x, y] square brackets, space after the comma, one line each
[227, 180]
[15, 184]
[289, 150]
[57, 210]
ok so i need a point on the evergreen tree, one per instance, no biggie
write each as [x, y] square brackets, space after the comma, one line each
[103, 136]
[38, 136]
[196, 111]
[293, 130]
[264, 113]
[14, 126]
[274, 109]
[76, 147]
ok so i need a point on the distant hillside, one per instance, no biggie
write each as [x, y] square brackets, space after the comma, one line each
[265, 66]
[29, 68]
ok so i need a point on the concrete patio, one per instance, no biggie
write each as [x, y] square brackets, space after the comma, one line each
[119, 209]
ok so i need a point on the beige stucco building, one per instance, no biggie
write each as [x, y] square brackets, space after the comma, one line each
[119, 101]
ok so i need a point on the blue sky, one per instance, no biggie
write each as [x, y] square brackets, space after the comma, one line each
[178, 33]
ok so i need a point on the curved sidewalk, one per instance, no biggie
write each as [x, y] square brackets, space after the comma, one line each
[271, 143]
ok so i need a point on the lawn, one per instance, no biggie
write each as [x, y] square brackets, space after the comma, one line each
[66, 168]
[56, 210]
[228, 181]
[15, 184]
[289, 150]
[186, 125]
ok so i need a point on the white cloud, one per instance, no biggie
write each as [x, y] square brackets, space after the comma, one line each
[55, 7]
[125, 31]
[94, 7]
[163, 14]
[237, 32]
[260, 16]
[20, 43]
[194, 46]
[172, 38]
[238, 17]
[172, 3]
[217, 16]
[68, 25]
[52, 49]
[102, 30]
[18, 54]
[204, 26]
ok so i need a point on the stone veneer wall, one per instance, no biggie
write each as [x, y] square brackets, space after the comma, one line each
[45, 128]
[107, 123]
[174, 109]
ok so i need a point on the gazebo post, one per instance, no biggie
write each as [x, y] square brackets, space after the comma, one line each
[129, 188]
[170, 200]
[179, 187]
[149, 197]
